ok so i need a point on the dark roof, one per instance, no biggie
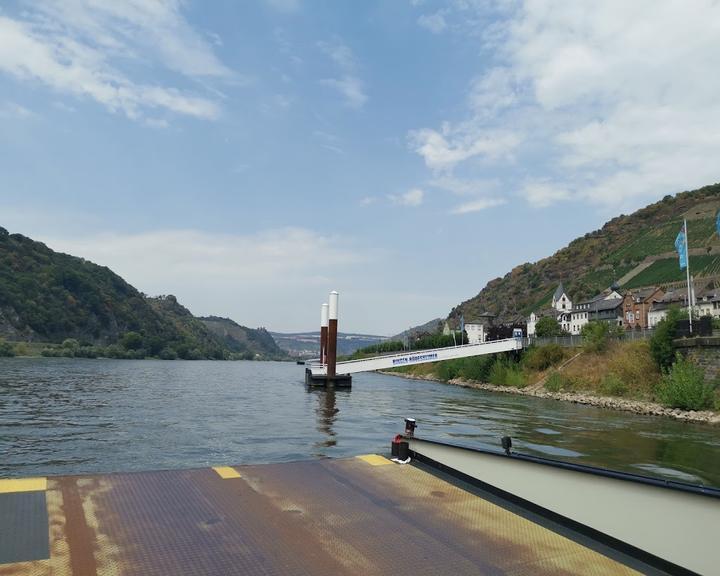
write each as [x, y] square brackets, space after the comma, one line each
[599, 305]
[559, 291]
[643, 293]
[600, 296]
[674, 296]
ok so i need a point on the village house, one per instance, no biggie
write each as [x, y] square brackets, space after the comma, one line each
[708, 303]
[660, 306]
[477, 330]
[475, 333]
[560, 308]
[637, 305]
[606, 307]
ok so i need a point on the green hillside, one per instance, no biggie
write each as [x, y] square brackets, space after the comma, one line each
[592, 263]
[245, 342]
[668, 270]
[49, 297]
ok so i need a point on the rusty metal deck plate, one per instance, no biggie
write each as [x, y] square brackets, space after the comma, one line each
[362, 516]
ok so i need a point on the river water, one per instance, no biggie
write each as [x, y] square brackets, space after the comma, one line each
[61, 416]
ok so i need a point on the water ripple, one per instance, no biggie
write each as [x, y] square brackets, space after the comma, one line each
[60, 416]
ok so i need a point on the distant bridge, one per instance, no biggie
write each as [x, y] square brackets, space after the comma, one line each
[319, 370]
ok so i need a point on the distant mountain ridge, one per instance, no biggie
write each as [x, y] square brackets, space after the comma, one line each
[307, 344]
[47, 296]
[637, 249]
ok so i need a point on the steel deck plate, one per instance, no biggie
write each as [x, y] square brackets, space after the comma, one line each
[323, 517]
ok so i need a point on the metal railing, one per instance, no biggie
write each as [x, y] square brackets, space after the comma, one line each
[573, 340]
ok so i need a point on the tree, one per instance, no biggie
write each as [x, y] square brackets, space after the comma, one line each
[131, 341]
[596, 335]
[547, 326]
[6, 350]
[661, 343]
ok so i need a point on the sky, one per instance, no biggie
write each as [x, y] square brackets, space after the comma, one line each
[249, 157]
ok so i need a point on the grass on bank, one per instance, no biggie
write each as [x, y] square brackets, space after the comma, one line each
[618, 369]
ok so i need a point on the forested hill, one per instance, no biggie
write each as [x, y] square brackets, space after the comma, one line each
[47, 296]
[633, 251]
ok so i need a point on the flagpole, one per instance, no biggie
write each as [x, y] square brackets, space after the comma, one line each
[687, 268]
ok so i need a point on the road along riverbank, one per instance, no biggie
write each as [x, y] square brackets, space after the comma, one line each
[614, 403]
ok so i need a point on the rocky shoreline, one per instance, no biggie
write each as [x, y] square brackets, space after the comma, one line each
[625, 404]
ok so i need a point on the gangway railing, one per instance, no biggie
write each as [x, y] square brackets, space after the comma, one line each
[417, 357]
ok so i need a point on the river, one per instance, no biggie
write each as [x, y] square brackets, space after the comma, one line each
[61, 416]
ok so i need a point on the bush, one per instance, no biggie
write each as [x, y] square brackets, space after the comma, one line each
[547, 326]
[447, 370]
[131, 341]
[661, 346]
[515, 377]
[684, 386]
[22, 349]
[6, 350]
[70, 344]
[503, 373]
[557, 381]
[543, 357]
[498, 372]
[477, 368]
[168, 354]
[612, 385]
[595, 336]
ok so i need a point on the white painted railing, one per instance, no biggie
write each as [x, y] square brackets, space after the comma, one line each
[419, 357]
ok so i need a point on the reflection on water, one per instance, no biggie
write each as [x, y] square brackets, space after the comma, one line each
[326, 412]
[60, 416]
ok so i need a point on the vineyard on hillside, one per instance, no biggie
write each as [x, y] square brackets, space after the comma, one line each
[668, 270]
[661, 239]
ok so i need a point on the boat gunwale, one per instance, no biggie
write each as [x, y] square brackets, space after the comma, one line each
[686, 487]
[525, 506]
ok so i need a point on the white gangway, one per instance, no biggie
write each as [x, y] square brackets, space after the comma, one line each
[418, 357]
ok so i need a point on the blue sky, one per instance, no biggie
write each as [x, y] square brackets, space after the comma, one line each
[251, 156]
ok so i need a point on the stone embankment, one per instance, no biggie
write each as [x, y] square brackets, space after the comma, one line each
[628, 405]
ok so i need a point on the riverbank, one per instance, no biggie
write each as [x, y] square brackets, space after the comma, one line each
[614, 403]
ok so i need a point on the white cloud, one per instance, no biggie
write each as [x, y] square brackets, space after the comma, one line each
[644, 103]
[465, 187]
[367, 200]
[349, 84]
[131, 25]
[252, 278]
[542, 194]
[478, 194]
[444, 150]
[351, 89]
[617, 103]
[493, 91]
[13, 110]
[339, 53]
[435, 22]
[75, 48]
[413, 197]
[477, 205]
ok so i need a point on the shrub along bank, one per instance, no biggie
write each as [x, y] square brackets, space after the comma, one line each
[604, 366]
